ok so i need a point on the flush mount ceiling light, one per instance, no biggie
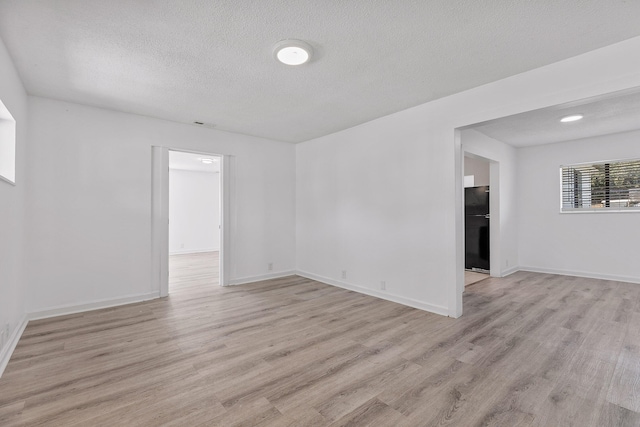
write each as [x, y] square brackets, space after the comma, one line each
[207, 161]
[292, 52]
[572, 118]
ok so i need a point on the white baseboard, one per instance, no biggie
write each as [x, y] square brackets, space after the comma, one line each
[588, 275]
[93, 305]
[193, 251]
[251, 279]
[437, 309]
[510, 271]
[7, 351]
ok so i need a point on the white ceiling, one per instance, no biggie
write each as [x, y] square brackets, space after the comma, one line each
[192, 162]
[211, 61]
[613, 113]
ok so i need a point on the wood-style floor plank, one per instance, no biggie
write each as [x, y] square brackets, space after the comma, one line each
[624, 389]
[531, 350]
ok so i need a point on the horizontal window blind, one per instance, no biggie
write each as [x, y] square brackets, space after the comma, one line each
[605, 185]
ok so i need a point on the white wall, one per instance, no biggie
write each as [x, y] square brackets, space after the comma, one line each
[584, 244]
[89, 205]
[503, 197]
[383, 200]
[367, 199]
[194, 211]
[12, 283]
[478, 168]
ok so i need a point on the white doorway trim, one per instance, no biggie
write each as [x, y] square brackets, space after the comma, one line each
[494, 211]
[160, 218]
[455, 295]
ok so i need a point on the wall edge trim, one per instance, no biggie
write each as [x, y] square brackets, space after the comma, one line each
[7, 351]
[510, 271]
[258, 278]
[410, 302]
[90, 306]
[584, 274]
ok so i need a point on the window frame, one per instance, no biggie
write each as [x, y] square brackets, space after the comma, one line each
[590, 210]
[8, 146]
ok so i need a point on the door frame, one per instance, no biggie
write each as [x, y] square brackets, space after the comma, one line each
[494, 211]
[160, 217]
[456, 292]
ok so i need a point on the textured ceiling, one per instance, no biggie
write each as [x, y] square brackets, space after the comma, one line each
[191, 162]
[211, 61]
[616, 112]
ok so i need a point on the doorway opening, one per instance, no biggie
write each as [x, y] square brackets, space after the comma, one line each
[477, 218]
[500, 140]
[194, 220]
[162, 245]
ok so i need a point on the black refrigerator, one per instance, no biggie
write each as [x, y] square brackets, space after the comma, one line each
[476, 226]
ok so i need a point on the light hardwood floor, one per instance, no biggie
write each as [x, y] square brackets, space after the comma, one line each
[531, 349]
[191, 271]
[471, 277]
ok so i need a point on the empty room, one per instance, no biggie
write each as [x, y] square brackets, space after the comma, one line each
[280, 213]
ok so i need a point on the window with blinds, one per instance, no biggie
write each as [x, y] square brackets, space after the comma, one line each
[601, 186]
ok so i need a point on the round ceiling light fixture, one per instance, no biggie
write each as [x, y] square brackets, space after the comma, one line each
[207, 161]
[292, 52]
[572, 118]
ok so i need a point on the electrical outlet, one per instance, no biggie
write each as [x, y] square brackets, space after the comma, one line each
[270, 266]
[344, 274]
[383, 285]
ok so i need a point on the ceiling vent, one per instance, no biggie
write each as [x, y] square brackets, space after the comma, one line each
[204, 124]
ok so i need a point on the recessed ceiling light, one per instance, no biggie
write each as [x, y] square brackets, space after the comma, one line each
[572, 118]
[207, 161]
[292, 52]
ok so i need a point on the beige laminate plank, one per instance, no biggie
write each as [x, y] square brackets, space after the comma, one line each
[531, 350]
[624, 389]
